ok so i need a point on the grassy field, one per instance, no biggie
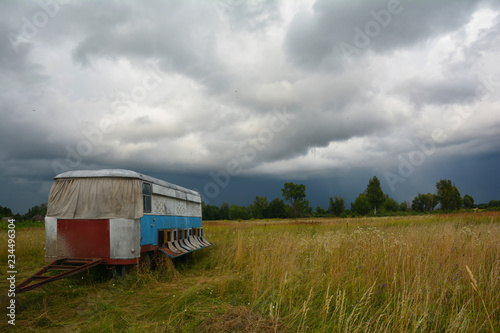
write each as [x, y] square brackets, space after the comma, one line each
[398, 274]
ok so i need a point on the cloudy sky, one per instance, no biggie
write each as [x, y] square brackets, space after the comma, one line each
[234, 98]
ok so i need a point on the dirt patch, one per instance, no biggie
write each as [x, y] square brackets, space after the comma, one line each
[239, 319]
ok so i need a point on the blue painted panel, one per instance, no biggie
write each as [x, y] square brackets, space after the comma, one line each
[150, 224]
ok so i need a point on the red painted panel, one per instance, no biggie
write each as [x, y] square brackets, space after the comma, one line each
[121, 261]
[148, 248]
[83, 238]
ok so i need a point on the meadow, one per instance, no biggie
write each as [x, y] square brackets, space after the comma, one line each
[433, 273]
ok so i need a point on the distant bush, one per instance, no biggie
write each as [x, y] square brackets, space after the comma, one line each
[494, 203]
[21, 224]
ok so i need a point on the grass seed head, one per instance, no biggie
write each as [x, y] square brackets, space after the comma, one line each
[473, 281]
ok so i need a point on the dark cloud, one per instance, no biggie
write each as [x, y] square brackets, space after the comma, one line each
[315, 39]
[187, 87]
[423, 91]
[250, 15]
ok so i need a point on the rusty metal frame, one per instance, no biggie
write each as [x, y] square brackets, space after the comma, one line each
[68, 266]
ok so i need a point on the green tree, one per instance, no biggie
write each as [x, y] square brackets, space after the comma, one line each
[374, 194]
[417, 205]
[468, 201]
[295, 194]
[448, 195]
[361, 205]
[431, 200]
[209, 212]
[493, 203]
[238, 212]
[337, 206]
[320, 211]
[223, 211]
[276, 209]
[403, 206]
[390, 205]
[258, 207]
[36, 210]
[424, 202]
[6, 212]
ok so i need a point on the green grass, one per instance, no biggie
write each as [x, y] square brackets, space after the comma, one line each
[318, 275]
[21, 224]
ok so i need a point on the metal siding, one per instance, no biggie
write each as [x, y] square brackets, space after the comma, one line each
[50, 237]
[83, 238]
[124, 238]
[181, 195]
[171, 206]
[181, 208]
[168, 192]
[162, 205]
[193, 198]
[193, 209]
[150, 224]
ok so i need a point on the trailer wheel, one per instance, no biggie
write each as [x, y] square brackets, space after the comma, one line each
[146, 261]
[120, 271]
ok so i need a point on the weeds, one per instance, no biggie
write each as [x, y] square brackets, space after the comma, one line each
[377, 274]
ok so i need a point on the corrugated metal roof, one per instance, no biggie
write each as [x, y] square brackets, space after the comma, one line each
[121, 173]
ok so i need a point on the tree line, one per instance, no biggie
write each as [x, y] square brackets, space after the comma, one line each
[293, 204]
[34, 213]
[373, 201]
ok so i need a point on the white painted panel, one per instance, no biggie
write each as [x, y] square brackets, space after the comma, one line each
[181, 208]
[194, 209]
[193, 198]
[170, 206]
[124, 238]
[50, 238]
[158, 205]
[172, 193]
[157, 189]
[162, 205]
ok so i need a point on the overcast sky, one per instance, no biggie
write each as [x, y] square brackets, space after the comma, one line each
[234, 98]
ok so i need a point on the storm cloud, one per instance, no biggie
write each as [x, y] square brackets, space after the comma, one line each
[328, 93]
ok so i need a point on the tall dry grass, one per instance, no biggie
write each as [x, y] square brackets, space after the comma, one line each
[370, 275]
[321, 275]
[29, 247]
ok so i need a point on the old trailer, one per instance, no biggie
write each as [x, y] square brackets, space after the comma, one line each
[115, 217]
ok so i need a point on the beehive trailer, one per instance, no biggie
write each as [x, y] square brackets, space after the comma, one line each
[115, 217]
